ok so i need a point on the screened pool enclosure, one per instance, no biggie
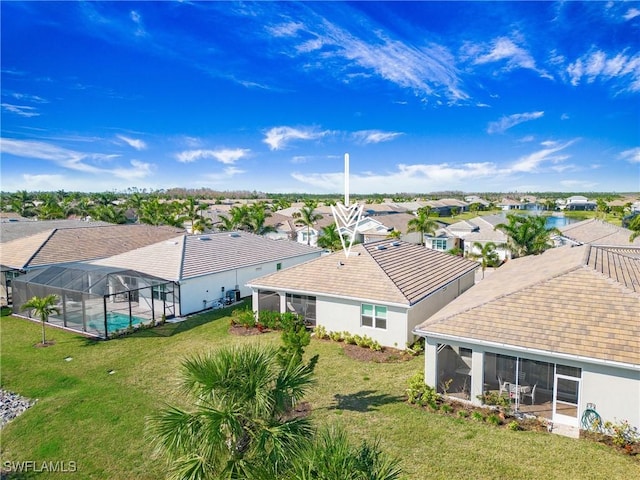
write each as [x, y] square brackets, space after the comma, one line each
[98, 300]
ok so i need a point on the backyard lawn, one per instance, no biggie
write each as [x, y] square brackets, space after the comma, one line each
[93, 398]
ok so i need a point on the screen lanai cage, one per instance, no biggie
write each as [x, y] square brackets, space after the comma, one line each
[97, 300]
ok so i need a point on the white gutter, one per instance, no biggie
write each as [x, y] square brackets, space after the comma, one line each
[515, 348]
[329, 295]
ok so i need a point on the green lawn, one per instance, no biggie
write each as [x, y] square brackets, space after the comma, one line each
[87, 415]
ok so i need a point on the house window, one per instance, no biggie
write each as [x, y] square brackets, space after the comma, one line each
[278, 266]
[439, 244]
[374, 316]
[159, 292]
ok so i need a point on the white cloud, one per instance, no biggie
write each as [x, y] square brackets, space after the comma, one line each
[375, 136]
[288, 29]
[416, 178]
[504, 50]
[425, 69]
[22, 110]
[279, 137]
[71, 159]
[598, 66]
[578, 184]
[533, 162]
[225, 155]
[631, 13]
[512, 120]
[133, 142]
[137, 19]
[632, 155]
[29, 98]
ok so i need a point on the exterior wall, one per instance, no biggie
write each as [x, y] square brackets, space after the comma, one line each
[615, 393]
[197, 294]
[339, 315]
[503, 253]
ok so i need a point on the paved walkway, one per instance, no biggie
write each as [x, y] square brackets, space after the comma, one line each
[566, 430]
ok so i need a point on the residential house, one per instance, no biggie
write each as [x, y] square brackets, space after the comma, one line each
[578, 202]
[557, 333]
[382, 290]
[35, 245]
[172, 278]
[510, 204]
[596, 232]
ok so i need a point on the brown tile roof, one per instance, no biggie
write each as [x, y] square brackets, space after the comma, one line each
[81, 244]
[598, 232]
[570, 301]
[402, 274]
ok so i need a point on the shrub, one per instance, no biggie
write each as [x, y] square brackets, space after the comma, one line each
[320, 332]
[494, 419]
[244, 317]
[375, 346]
[419, 392]
[270, 319]
[478, 416]
[359, 341]
[463, 413]
[335, 336]
[417, 347]
[446, 408]
[295, 337]
[493, 398]
[514, 426]
[348, 338]
[622, 434]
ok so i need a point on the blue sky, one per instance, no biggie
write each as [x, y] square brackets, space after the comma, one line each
[268, 96]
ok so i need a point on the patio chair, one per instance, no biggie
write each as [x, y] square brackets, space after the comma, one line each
[531, 393]
[522, 376]
[503, 387]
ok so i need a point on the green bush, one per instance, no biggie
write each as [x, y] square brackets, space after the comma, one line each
[514, 426]
[494, 419]
[336, 336]
[295, 337]
[493, 398]
[270, 319]
[419, 392]
[417, 347]
[320, 332]
[477, 416]
[463, 413]
[244, 317]
[622, 433]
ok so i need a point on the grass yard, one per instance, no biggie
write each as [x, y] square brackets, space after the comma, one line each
[95, 418]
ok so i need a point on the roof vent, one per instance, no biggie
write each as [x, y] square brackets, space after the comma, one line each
[395, 244]
[234, 235]
[204, 239]
[381, 247]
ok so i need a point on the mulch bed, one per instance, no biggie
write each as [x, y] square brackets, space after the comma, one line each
[386, 355]
[244, 331]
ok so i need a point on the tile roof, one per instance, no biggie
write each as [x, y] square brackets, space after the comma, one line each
[598, 232]
[578, 301]
[400, 273]
[190, 256]
[25, 228]
[80, 244]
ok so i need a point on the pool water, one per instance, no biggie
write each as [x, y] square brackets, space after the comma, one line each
[120, 321]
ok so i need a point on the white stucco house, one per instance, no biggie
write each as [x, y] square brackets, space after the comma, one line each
[206, 267]
[557, 332]
[382, 290]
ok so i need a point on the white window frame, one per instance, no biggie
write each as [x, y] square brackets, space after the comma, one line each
[437, 242]
[378, 316]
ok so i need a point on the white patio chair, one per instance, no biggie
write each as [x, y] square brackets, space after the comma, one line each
[531, 394]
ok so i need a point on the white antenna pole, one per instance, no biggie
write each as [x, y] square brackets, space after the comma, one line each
[346, 179]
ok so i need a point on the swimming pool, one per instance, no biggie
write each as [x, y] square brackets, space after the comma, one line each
[120, 321]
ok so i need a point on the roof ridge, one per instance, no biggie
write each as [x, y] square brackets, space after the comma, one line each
[383, 270]
[182, 255]
[42, 244]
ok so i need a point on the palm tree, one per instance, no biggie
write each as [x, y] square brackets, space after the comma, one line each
[330, 238]
[634, 226]
[422, 223]
[241, 424]
[308, 217]
[528, 234]
[43, 307]
[256, 218]
[331, 456]
[109, 213]
[488, 256]
[22, 203]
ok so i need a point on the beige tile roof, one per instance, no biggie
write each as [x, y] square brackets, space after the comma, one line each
[190, 256]
[402, 274]
[598, 232]
[25, 228]
[81, 244]
[572, 301]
